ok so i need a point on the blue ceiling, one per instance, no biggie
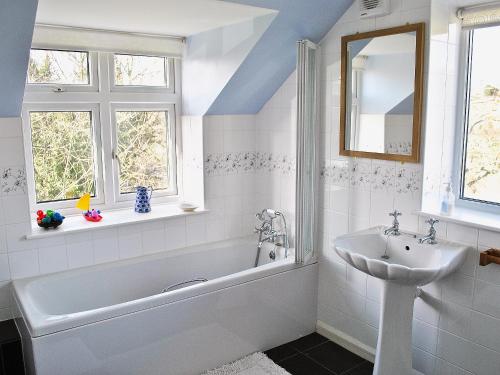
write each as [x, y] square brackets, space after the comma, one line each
[273, 58]
[17, 18]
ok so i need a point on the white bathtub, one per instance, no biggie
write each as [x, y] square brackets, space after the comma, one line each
[113, 318]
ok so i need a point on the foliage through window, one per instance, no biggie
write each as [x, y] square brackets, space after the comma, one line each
[58, 67]
[63, 155]
[143, 149]
[481, 161]
[102, 142]
[131, 70]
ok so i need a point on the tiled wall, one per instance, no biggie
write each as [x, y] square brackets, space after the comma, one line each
[457, 322]
[250, 165]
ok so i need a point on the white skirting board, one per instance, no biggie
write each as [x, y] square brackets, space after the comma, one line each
[348, 342]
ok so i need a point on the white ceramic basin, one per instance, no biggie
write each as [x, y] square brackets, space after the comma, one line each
[409, 263]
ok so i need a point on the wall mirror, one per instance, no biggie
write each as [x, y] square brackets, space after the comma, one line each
[381, 93]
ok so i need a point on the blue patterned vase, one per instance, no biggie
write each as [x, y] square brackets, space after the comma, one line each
[143, 199]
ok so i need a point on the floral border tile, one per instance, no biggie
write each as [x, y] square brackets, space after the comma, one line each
[360, 174]
[383, 176]
[245, 162]
[408, 179]
[13, 181]
[336, 172]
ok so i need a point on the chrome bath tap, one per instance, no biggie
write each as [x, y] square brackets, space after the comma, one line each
[267, 233]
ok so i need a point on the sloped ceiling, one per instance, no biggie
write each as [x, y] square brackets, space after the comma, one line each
[273, 58]
[17, 18]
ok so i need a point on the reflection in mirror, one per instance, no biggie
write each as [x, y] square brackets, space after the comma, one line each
[381, 100]
[380, 117]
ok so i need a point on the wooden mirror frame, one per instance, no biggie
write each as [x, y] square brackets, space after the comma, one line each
[419, 28]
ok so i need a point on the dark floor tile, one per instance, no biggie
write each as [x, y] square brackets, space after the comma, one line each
[8, 332]
[334, 357]
[281, 352]
[365, 368]
[301, 365]
[307, 342]
[12, 357]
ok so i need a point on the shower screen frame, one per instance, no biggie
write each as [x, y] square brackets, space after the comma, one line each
[307, 175]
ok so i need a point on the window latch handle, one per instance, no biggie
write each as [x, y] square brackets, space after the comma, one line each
[114, 156]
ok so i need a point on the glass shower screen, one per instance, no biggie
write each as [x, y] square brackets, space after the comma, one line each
[307, 150]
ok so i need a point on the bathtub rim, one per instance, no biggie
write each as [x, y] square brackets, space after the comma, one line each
[41, 324]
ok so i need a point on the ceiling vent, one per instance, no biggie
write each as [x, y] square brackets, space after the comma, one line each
[374, 8]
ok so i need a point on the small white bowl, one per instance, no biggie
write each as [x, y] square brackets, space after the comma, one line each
[187, 207]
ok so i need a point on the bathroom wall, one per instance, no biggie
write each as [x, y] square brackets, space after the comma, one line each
[457, 321]
[250, 165]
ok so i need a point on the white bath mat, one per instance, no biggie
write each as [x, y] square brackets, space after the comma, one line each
[254, 364]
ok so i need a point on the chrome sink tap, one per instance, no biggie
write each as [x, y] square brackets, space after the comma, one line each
[394, 229]
[431, 237]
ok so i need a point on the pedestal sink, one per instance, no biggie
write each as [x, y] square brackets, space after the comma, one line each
[403, 264]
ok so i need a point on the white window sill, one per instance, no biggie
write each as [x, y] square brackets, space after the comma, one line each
[465, 216]
[112, 218]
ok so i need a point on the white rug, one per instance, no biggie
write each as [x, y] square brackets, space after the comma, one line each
[254, 364]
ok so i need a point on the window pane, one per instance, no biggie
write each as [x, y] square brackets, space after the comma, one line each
[139, 71]
[58, 67]
[62, 155]
[482, 161]
[144, 146]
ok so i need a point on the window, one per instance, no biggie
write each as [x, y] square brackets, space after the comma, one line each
[99, 141]
[480, 175]
[58, 67]
[140, 71]
[63, 154]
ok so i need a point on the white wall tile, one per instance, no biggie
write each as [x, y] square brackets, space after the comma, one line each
[459, 289]
[195, 230]
[15, 209]
[11, 127]
[424, 336]
[53, 259]
[153, 237]
[455, 319]
[446, 368]
[105, 244]
[12, 152]
[80, 254]
[423, 361]
[485, 330]
[489, 238]
[175, 234]
[15, 235]
[4, 267]
[455, 350]
[5, 294]
[487, 298]
[23, 264]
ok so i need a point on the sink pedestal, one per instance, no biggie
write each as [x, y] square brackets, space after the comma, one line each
[394, 350]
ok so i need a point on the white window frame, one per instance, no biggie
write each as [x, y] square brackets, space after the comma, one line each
[97, 150]
[56, 87]
[458, 174]
[103, 100]
[169, 77]
[160, 195]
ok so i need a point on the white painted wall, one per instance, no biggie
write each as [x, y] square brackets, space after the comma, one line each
[211, 58]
